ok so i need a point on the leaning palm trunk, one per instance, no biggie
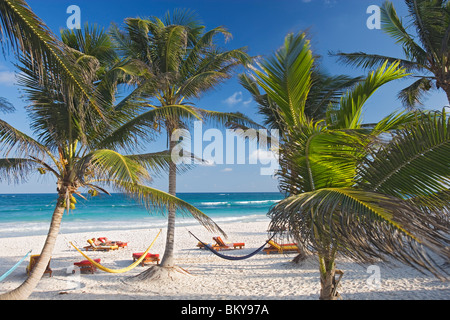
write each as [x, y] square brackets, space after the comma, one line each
[168, 257]
[25, 289]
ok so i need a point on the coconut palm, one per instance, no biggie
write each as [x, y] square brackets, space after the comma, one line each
[427, 54]
[182, 62]
[327, 165]
[78, 158]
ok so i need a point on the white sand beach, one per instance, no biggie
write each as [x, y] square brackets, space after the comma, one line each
[262, 277]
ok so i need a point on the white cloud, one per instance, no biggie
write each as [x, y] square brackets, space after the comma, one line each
[246, 103]
[7, 78]
[234, 99]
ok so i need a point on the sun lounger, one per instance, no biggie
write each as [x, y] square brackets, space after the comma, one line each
[92, 246]
[221, 245]
[105, 242]
[149, 258]
[281, 248]
[33, 260]
[86, 266]
[201, 246]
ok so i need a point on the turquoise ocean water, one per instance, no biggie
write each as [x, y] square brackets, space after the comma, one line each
[30, 214]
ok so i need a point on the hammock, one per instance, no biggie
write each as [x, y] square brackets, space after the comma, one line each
[7, 273]
[233, 258]
[132, 266]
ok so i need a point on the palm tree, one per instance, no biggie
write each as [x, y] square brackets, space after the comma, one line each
[427, 54]
[324, 90]
[327, 166]
[80, 158]
[182, 62]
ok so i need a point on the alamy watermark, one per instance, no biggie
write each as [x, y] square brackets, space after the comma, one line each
[374, 20]
[74, 20]
[374, 280]
[213, 147]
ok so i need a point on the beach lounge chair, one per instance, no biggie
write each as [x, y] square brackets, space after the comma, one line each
[201, 246]
[86, 266]
[92, 246]
[149, 258]
[281, 248]
[221, 245]
[105, 242]
[33, 260]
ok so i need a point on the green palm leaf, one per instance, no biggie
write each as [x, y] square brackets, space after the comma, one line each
[415, 163]
[286, 77]
[364, 225]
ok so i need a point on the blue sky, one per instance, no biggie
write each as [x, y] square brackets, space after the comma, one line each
[260, 25]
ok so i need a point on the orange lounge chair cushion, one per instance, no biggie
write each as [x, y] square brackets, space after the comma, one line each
[149, 255]
[86, 262]
[238, 244]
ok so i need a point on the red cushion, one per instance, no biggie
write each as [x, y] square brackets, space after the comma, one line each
[149, 255]
[85, 262]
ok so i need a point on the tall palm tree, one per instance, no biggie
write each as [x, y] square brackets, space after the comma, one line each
[427, 53]
[80, 158]
[182, 62]
[334, 206]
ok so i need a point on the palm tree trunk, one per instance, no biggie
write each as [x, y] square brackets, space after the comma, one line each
[168, 257]
[446, 88]
[26, 288]
[328, 281]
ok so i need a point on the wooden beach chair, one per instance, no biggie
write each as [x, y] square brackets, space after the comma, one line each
[86, 266]
[201, 246]
[33, 260]
[281, 248]
[221, 245]
[92, 246]
[106, 242]
[149, 258]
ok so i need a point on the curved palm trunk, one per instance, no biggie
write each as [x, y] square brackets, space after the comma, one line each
[25, 289]
[168, 257]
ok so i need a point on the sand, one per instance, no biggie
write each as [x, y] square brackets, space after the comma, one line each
[262, 277]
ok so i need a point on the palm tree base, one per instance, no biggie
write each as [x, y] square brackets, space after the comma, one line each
[158, 273]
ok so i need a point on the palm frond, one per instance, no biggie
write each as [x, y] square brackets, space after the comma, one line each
[348, 113]
[157, 201]
[412, 96]
[12, 139]
[141, 126]
[286, 77]
[415, 163]
[109, 164]
[371, 61]
[6, 106]
[15, 169]
[364, 225]
[393, 26]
